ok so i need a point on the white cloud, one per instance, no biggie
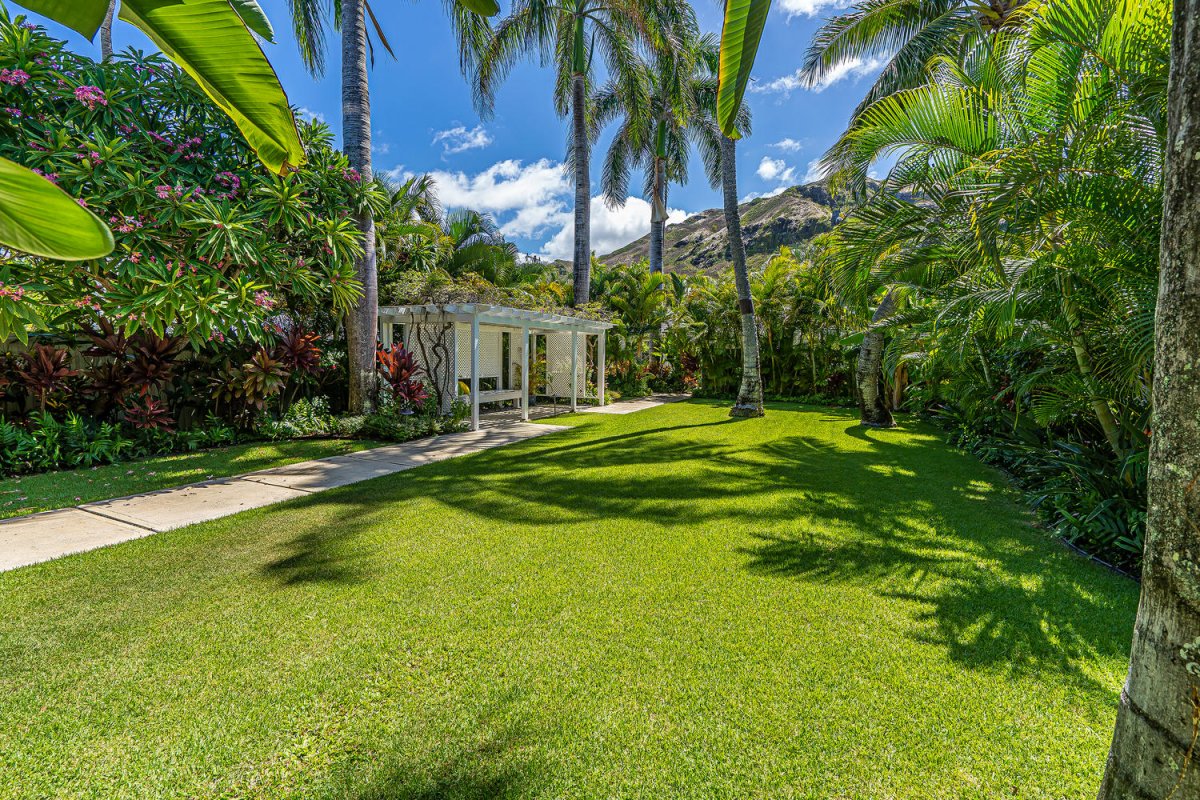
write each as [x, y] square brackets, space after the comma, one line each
[775, 169]
[524, 198]
[379, 146]
[785, 85]
[459, 139]
[851, 68]
[780, 189]
[788, 145]
[611, 227]
[815, 172]
[310, 115]
[398, 174]
[854, 68]
[533, 201]
[810, 8]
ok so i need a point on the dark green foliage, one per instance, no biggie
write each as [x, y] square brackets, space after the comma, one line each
[48, 444]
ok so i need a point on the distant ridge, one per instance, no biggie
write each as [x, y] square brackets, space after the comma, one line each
[699, 244]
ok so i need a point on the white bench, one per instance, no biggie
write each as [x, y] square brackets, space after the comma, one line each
[499, 395]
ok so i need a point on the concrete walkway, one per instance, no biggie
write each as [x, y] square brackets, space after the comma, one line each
[51, 534]
[635, 404]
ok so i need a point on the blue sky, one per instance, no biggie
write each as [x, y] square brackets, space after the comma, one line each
[423, 120]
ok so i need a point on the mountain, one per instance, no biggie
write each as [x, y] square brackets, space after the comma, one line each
[699, 244]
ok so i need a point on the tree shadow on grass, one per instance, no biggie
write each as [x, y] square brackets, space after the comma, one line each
[495, 761]
[983, 586]
[903, 516]
[504, 484]
[320, 555]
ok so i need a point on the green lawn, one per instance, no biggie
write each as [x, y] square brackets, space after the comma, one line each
[661, 605]
[32, 493]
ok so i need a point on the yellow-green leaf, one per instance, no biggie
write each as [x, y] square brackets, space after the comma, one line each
[83, 16]
[38, 218]
[255, 18]
[740, 35]
[209, 40]
[484, 8]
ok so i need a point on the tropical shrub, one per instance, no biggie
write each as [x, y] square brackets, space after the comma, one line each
[44, 372]
[47, 443]
[304, 418]
[681, 333]
[208, 244]
[1016, 237]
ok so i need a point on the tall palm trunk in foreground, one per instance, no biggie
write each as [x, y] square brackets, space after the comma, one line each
[582, 260]
[658, 203]
[362, 320]
[750, 397]
[1154, 749]
[106, 51]
[873, 412]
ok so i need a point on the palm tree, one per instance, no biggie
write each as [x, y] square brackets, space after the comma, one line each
[460, 242]
[308, 22]
[407, 234]
[1016, 230]
[565, 34]
[1158, 721]
[106, 50]
[907, 33]
[719, 153]
[652, 136]
[473, 243]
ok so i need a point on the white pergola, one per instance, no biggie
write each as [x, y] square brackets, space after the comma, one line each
[476, 343]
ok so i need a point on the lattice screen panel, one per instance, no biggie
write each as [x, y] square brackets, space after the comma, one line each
[558, 364]
[462, 338]
[491, 365]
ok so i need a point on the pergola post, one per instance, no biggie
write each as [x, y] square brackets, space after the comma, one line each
[474, 372]
[574, 369]
[525, 373]
[601, 370]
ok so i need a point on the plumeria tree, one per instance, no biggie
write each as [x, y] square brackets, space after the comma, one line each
[214, 42]
[207, 242]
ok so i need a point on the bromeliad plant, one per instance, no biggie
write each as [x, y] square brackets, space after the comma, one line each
[399, 370]
[44, 371]
[209, 244]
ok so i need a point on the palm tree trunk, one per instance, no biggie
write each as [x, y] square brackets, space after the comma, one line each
[750, 395]
[1083, 360]
[582, 263]
[656, 246]
[658, 214]
[106, 51]
[812, 361]
[873, 412]
[899, 382]
[362, 321]
[1154, 747]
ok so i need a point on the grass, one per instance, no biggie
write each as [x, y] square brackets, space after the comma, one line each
[665, 604]
[32, 493]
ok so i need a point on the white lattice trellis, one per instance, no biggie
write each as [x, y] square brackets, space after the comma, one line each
[558, 364]
[465, 343]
